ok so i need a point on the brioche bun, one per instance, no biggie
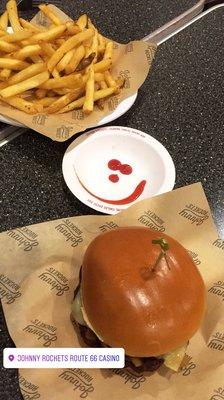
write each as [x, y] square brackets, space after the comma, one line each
[148, 311]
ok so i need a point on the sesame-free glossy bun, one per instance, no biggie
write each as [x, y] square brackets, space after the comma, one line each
[148, 313]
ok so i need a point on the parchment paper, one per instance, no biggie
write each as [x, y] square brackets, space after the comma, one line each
[39, 270]
[131, 61]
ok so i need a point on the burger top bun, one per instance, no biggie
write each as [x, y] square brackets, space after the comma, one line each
[139, 298]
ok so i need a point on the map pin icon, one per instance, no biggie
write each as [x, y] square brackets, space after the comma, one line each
[11, 357]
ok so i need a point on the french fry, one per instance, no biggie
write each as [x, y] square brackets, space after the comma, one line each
[91, 25]
[72, 28]
[65, 61]
[63, 101]
[48, 35]
[109, 79]
[73, 80]
[78, 55]
[101, 102]
[55, 73]
[27, 51]
[30, 26]
[73, 106]
[100, 94]
[82, 22]
[17, 36]
[40, 93]
[46, 101]
[101, 41]
[89, 99]
[5, 74]
[85, 62]
[108, 51]
[59, 42]
[94, 47]
[11, 7]
[98, 77]
[50, 93]
[70, 43]
[23, 105]
[27, 73]
[9, 63]
[37, 59]
[62, 92]
[3, 85]
[47, 49]
[8, 47]
[4, 21]
[50, 14]
[21, 87]
[103, 65]
[2, 33]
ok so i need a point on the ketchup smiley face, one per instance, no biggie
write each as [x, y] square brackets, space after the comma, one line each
[124, 169]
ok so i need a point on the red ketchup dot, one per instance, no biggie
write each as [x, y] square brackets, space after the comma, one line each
[114, 164]
[125, 169]
[114, 178]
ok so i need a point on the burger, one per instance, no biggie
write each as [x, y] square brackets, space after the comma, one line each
[141, 291]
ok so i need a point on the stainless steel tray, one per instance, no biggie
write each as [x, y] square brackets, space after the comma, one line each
[172, 26]
[181, 28]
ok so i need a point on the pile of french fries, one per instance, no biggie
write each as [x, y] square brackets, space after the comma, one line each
[57, 69]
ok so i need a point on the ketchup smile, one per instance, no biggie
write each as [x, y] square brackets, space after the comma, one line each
[127, 200]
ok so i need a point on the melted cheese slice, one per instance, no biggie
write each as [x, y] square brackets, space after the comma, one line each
[174, 359]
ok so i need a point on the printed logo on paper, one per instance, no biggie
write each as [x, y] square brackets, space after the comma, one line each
[71, 233]
[194, 214]
[113, 103]
[24, 237]
[57, 282]
[195, 257]
[217, 289]
[189, 366]
[129, 48]
[28, 389]
[125, 73]
[150, 53]
[217, 341]
[107, 226]
[218, 394]
[9, 290]
[64, 132]
[130, 377]
[78, 114]
[152, 220]
[80, 381]
[40, 119]
[45, 333]
[219, 243]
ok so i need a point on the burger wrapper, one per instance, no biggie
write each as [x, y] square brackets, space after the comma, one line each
[61, 127]
[39, 270]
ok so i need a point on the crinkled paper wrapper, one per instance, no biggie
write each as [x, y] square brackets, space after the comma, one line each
[39, 270]
[131, 61]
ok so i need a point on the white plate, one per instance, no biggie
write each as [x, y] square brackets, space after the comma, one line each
[86, 172]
